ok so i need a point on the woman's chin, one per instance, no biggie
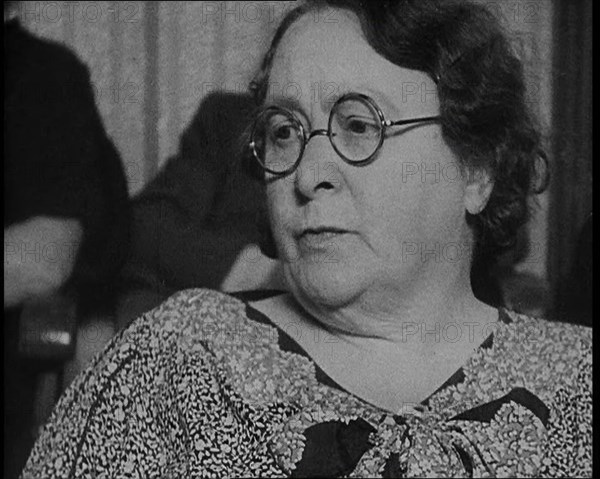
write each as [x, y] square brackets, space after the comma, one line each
[325, 286]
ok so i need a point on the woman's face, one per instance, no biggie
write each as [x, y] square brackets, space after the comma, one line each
[344, 232]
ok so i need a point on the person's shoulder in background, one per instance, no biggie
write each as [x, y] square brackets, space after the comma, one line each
[43, 79]
[27, 51]
[59, 160]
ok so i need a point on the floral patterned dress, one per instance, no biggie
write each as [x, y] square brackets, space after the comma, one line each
[207, 386]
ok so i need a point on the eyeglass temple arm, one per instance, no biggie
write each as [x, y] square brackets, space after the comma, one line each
[412, 120]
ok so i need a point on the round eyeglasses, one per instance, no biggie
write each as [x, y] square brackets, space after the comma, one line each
[356, 130]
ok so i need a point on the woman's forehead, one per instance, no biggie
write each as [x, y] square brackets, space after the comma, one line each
[322, 50]
[319, 61]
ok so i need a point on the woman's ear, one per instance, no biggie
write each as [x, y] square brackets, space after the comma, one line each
[478, 190]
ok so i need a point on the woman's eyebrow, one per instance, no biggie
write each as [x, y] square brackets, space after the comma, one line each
[289, 102]
[382, 100]
[293, 103]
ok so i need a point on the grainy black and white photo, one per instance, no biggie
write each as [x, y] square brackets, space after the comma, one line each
[314, 238]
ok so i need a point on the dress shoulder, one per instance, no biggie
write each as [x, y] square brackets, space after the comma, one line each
[555, 358]
[144, 372]
[550, 340]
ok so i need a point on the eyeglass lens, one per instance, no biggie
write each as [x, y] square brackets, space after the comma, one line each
[355, 132]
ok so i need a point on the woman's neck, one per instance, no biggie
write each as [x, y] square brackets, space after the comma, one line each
[402, 358]
[432, 316]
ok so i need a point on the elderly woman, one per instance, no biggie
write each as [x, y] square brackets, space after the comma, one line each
[380, 361]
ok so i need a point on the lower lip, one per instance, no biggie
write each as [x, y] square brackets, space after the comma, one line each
[326, 240]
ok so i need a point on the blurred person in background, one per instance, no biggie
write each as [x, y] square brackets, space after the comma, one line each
[195, 224]
[66, 221]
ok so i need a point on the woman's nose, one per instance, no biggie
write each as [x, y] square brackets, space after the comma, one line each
[319, 169]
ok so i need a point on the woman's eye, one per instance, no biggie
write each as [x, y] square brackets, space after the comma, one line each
[282, 132]
[359, 126]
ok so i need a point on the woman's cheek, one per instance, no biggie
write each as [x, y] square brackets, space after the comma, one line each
[281, 221]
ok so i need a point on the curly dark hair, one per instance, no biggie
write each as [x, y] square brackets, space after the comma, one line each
[484, 113]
